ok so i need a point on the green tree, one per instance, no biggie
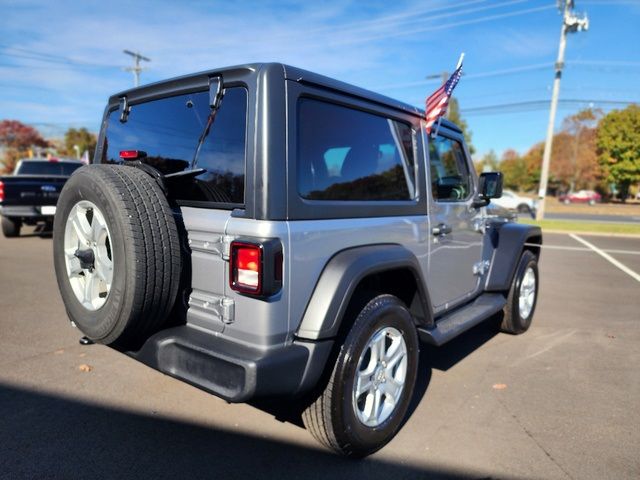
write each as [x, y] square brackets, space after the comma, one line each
[81, 137]
[17, 139]
[488, 163]
[618, 143]
[453, 114]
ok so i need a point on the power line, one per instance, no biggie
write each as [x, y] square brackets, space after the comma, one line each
[442, 26]
[47, 58]
[529, 105]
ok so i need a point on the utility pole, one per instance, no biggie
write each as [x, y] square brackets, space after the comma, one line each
[570, 23]
[136, 69]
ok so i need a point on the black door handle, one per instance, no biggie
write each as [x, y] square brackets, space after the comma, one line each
[441, 229]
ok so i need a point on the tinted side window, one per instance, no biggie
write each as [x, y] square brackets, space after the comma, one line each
[347, 154]
[168, 130]
[450, 178]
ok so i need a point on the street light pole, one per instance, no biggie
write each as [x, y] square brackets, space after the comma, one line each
[136, 69]
[570, 23]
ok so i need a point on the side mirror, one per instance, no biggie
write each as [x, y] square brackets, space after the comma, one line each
[489, 186]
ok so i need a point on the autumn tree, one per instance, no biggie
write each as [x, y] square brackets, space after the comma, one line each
[80, 137]
[618, 147]
[582, 169]
[17, 138]
[453, 114]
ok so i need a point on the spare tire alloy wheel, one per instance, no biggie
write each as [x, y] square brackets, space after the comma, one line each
[116, 254]
[88, 255]
[382, 370]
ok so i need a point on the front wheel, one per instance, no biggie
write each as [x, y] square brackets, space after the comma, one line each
[523, 295]
[368, 394]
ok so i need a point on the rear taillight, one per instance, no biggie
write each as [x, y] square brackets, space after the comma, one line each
[256, 268]
[246, 268]
[1, 191]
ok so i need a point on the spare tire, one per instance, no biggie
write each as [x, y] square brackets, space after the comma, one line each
[116, 254]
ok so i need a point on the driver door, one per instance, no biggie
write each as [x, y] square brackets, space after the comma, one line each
[456, 241]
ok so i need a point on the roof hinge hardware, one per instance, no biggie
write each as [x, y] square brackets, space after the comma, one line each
[480, 268]
[124, 109]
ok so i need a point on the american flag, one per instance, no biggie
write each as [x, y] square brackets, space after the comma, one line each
[438, 101]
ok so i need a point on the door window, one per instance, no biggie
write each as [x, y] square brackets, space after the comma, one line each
[350, 155]
[450, 177]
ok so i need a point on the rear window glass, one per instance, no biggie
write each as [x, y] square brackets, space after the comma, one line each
[48, 168]
[168, 131]
[348, 154]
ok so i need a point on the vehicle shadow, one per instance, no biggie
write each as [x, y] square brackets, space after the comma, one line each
[46, 436]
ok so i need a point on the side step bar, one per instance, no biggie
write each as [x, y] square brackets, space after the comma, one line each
[453, 324]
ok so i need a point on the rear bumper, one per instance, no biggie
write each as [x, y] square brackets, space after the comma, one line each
[234, 372]
[31, 212]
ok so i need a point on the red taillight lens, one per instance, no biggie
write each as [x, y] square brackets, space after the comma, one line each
[246, 268]
[1, 191]
[131, 154]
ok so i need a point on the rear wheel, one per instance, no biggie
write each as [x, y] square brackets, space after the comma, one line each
[116, 254]
[523, 295]
[11, 227]
[367, 396]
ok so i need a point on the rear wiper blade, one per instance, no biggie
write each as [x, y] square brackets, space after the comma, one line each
[215, 99]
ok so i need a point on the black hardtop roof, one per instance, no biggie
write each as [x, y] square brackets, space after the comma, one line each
[289, 73]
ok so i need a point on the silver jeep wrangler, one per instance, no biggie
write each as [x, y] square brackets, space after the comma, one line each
[261, 231]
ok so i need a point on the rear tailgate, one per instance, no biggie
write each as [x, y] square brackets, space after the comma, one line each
[31, 190]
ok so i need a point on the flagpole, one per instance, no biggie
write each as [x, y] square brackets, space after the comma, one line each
[460, 61]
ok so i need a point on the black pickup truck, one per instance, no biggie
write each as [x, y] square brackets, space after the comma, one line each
[30, 194]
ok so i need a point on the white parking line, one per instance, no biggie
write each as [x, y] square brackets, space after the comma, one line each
[581, 249]
[606, 256]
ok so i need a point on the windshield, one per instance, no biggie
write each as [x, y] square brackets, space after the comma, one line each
[46, 167]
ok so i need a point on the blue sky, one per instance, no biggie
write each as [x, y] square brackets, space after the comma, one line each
[59, 61]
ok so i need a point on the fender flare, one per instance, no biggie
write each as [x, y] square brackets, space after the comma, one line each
[339, 279]
[508, 241]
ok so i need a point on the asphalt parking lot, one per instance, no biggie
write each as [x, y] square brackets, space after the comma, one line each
[559, 402]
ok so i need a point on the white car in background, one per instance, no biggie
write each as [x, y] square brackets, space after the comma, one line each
[514, 202]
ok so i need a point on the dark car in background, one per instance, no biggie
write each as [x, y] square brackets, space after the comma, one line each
[29, 195]
[581, 196]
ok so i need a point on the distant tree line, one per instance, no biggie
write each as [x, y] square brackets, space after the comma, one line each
[591, 151]
[18, 140]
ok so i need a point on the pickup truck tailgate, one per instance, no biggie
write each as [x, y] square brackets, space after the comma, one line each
[31, 190]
